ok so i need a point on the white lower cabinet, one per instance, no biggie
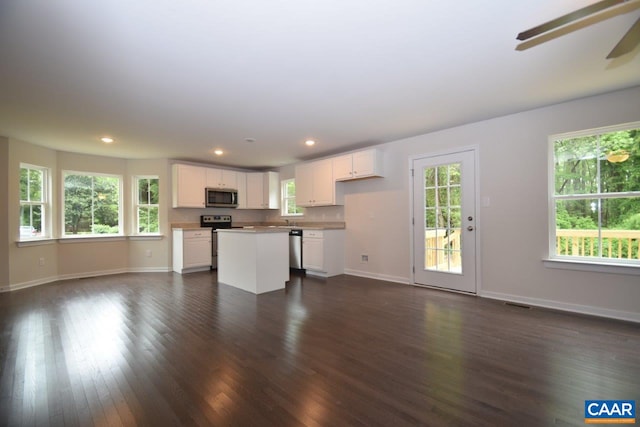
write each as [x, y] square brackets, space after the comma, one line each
[191, 250]
[323, 252]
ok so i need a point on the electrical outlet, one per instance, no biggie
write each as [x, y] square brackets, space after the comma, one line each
[41, 261]
[364, 258]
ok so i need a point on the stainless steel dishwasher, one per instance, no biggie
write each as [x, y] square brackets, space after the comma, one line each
[295, 249]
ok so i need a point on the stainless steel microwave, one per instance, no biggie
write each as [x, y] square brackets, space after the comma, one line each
[221, 198]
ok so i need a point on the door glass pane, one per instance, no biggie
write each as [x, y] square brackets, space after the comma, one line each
[454, 174]
[443, 219]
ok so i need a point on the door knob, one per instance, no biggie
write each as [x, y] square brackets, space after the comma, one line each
[470, 228]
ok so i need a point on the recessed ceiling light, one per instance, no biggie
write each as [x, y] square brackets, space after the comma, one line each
[310, 142]
[106, 140]
[249, 140]
[218, 152]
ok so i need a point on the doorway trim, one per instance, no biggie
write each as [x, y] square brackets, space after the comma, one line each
[475, 149]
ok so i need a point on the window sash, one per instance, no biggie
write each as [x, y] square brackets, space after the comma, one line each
[602, 243]
[289, 206]
[86, 210]
[139, 206]
[32, 204]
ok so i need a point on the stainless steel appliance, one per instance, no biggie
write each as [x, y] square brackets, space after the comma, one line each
[215, 222]
[295, 249]
[221, 197]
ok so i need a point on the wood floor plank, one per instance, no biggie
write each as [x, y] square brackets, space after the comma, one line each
[165, 349]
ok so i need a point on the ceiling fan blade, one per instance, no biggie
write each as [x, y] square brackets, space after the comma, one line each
[569, 17]
[628, 42]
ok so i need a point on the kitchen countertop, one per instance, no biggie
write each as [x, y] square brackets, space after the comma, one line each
[299, 226]
[188, 227]
[309, 225]
[253, 230]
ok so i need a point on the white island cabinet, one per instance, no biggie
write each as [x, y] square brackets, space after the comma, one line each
[191, 249]
[254, 260]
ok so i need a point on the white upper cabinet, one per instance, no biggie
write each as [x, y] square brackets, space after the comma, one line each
[262, 190]
[315, 185]
[222, 178]
[188, 184]
[242, 189]
[361, 164]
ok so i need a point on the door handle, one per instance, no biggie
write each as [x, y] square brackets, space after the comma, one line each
[470, 228]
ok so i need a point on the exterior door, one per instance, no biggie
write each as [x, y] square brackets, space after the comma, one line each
[444, 221]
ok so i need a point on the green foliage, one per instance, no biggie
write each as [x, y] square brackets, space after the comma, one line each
[31, 194]
[632, 222]
[582, 167]
[91, 203]
[104, 229]
[289, 195]
[442, 196]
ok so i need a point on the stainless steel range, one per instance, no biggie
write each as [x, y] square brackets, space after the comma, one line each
[215, 222]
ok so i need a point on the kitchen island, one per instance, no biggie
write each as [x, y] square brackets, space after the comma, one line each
[254, 259]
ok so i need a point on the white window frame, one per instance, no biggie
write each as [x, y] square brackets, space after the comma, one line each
[597, 264]
[121, 224]
[45, 203]
[136, 205]
[285, 198]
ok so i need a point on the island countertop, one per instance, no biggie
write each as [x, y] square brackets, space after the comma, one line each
[253, 230]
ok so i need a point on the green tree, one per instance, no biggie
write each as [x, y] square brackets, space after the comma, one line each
[584, 166]
[91, 204]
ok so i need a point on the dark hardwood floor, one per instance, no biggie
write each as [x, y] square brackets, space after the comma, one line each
[164, 349]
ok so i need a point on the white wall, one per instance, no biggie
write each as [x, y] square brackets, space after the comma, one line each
[24, 265]
[5, 242]
[513, 229]
[81, 258]
[513, 174]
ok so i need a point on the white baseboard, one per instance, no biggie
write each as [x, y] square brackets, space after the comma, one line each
[92, 274]
[385, 277]
[29, 284]
[44, 281]
[150, 270]
[563, 306]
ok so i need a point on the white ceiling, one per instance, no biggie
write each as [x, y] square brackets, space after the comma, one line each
[177, 79]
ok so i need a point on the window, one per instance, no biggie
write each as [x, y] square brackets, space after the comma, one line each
[146, 206]
[34, 202]
[289, 207]
[91, 204]
[596, 196]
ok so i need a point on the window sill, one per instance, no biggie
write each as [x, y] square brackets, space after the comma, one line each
[78, 239]
[84, 239]
[596, 267]
[146, 237]
[35, 242]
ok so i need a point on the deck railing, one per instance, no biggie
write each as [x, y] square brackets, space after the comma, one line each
[618, 244]
[442, 251]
